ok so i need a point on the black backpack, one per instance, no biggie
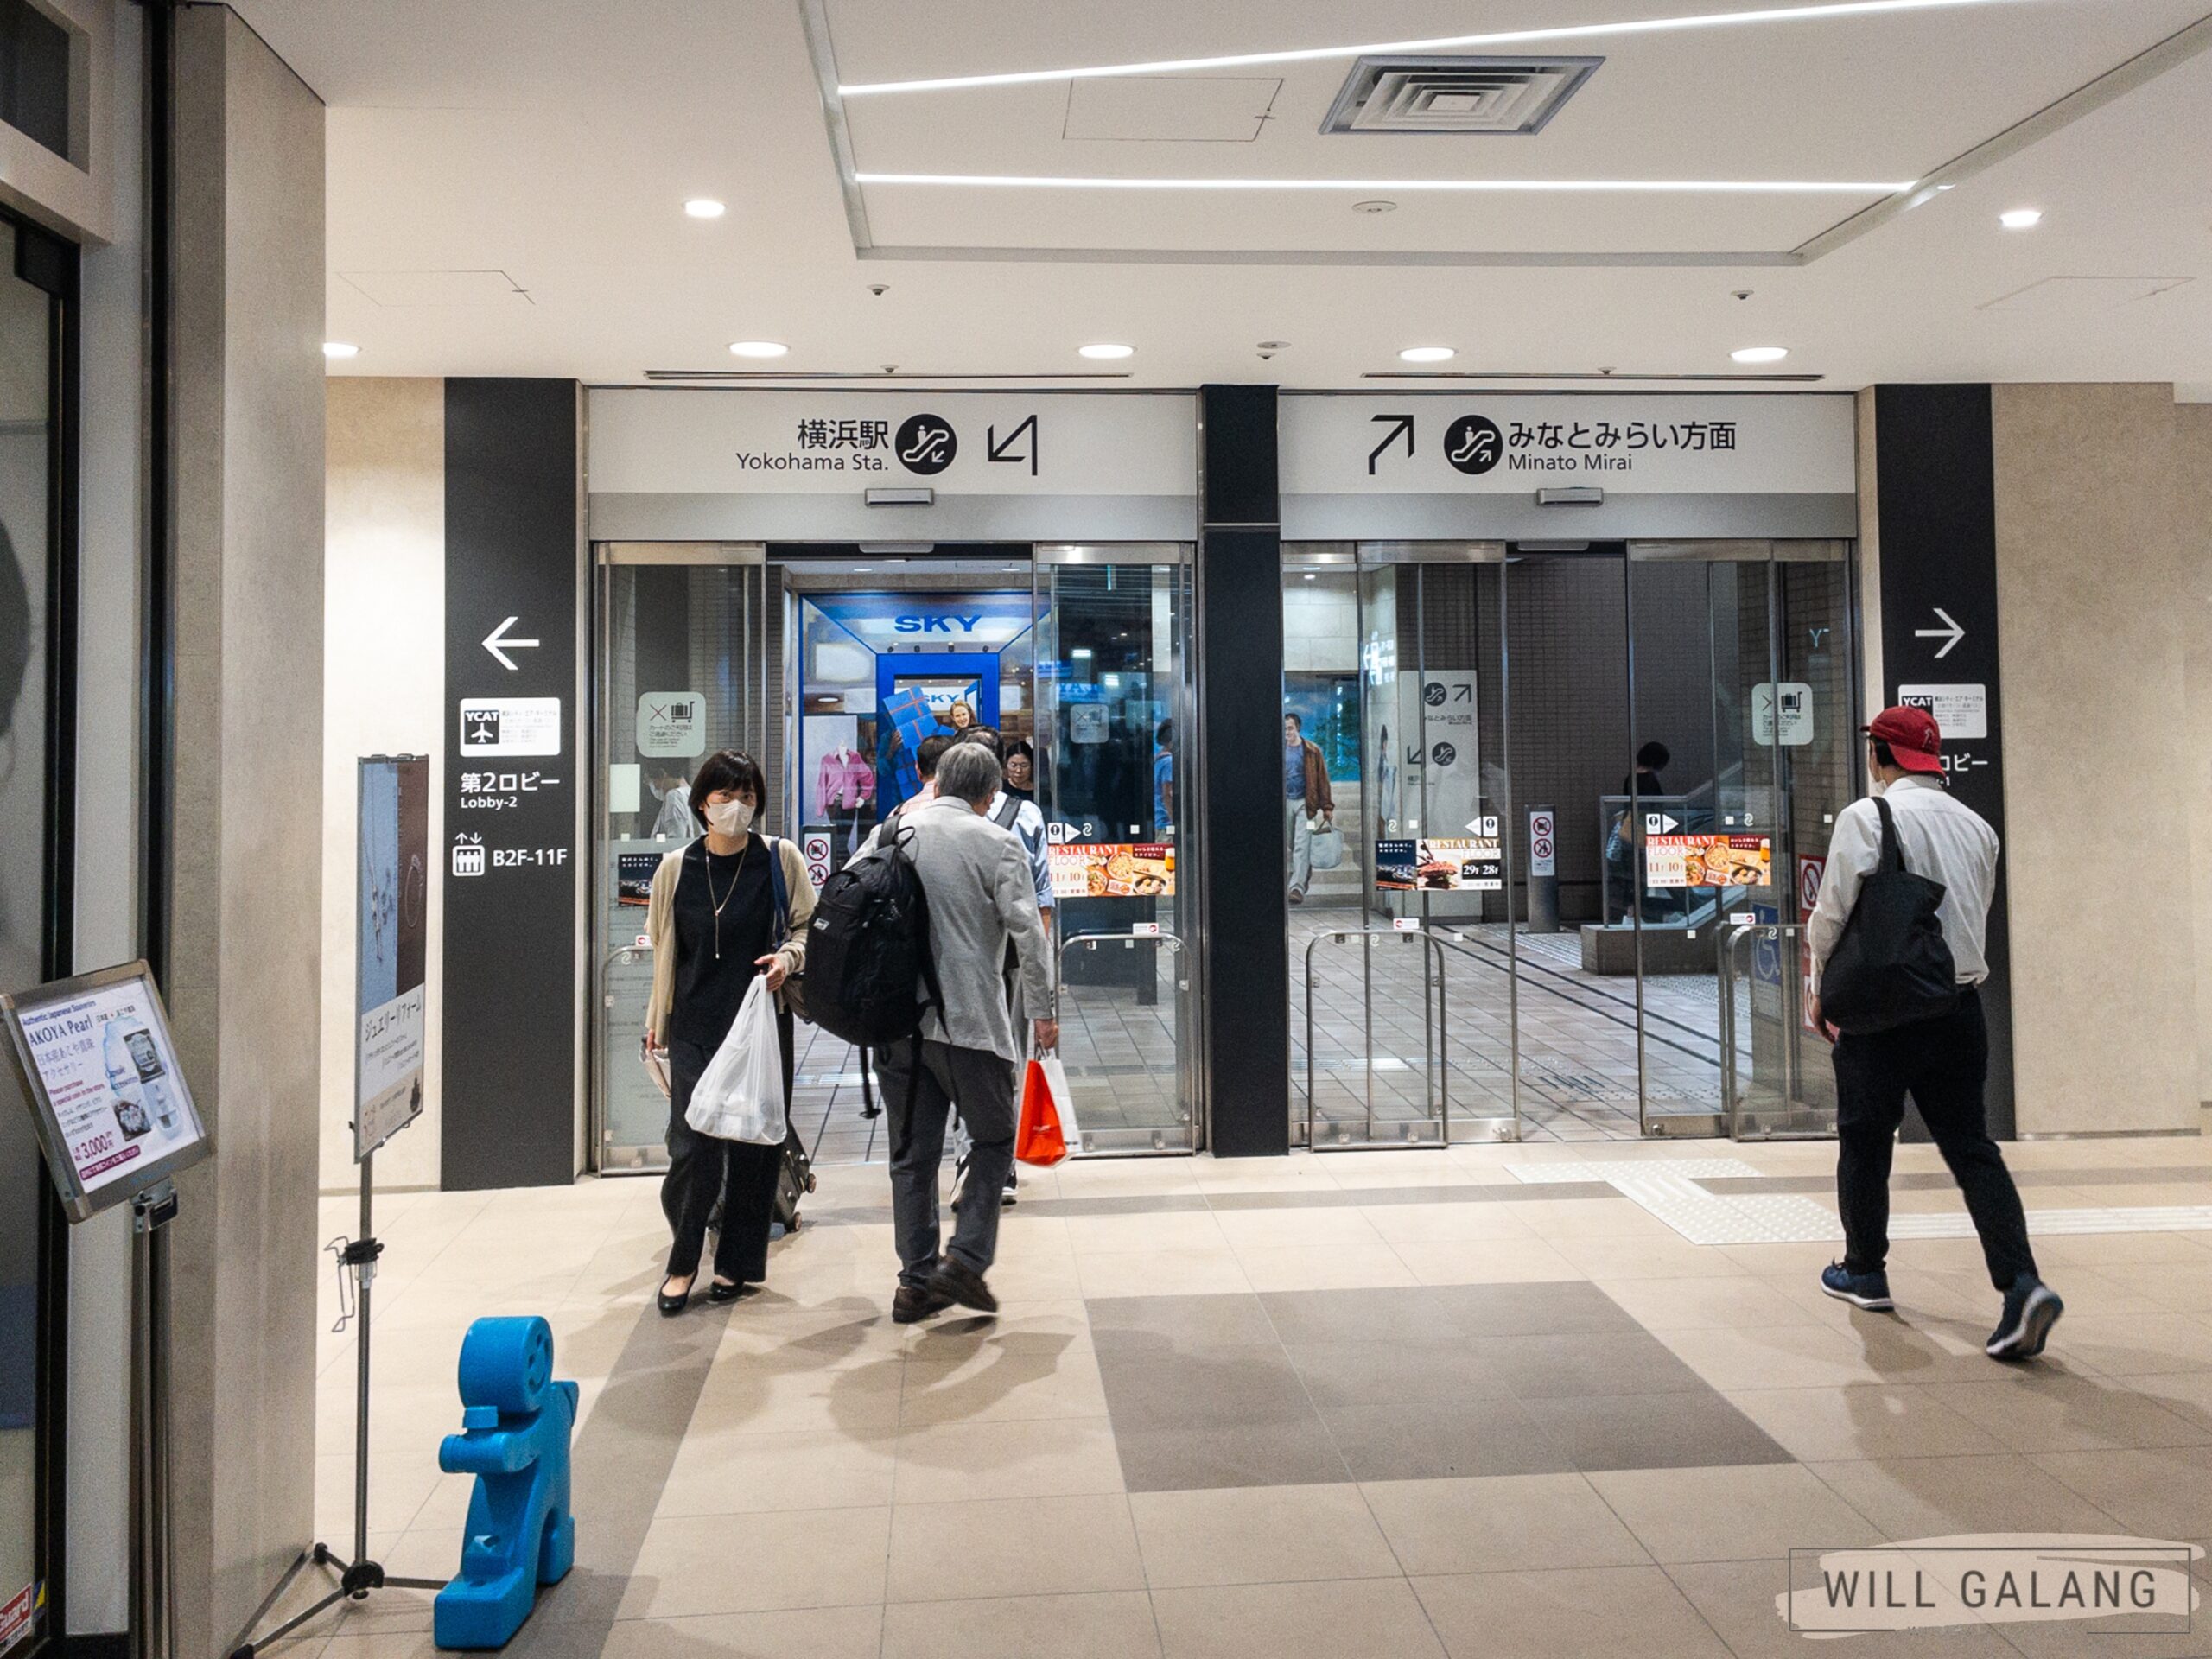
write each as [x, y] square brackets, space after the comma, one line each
[868, 950]
[1892, 967]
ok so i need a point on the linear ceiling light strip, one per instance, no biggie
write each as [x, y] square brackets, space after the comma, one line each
[1645, 186]
[1505, 37]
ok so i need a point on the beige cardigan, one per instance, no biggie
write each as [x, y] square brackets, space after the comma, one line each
[660, 928]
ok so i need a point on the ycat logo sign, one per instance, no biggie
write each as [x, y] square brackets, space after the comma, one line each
[926, 444]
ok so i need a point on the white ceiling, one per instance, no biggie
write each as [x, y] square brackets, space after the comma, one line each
[506, 178]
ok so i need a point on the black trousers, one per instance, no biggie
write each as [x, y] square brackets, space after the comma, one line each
[704, 1174]
[920, 1102]
[1943, 1065]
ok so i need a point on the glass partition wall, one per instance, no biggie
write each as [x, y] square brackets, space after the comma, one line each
[686, 636]
[1112, 693]
[1579, 835]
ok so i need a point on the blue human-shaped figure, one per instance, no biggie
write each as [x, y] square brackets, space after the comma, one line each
[516, 1426]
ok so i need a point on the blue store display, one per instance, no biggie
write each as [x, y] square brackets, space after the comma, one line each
[516, 1426]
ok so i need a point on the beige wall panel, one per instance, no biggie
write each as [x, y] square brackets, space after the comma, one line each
[247, 881]
[2101, 588]
[383, 680]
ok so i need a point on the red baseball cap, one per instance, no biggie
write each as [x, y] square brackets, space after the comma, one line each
[1913, 736]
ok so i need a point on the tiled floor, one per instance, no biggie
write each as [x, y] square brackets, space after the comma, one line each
[1405, 1403]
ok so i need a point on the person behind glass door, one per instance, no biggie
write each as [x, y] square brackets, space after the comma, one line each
[675, 820]
[712, 920]
[1163, 778]
[1627, 832]
[1306, 792]
[1021, 771]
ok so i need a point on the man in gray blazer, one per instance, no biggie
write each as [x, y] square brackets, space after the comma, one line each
[980, 898]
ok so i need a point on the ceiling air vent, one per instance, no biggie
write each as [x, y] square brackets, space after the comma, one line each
[1393, 94]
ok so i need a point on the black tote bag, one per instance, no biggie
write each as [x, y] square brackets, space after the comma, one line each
[1892, 967]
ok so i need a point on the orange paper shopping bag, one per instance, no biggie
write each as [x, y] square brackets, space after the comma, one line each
[1042, 1136]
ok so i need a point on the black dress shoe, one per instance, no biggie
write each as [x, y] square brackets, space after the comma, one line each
[671, 1305]
[911, 1304]
[719, 1292]
[956, 1281]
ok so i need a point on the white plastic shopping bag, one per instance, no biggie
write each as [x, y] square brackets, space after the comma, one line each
[741, 1097]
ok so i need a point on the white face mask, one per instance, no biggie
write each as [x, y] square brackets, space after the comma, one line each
[731, 818]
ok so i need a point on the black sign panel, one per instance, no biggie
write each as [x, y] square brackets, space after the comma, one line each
[512, 996]
[1935, 481]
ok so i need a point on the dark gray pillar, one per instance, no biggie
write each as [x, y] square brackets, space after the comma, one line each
[1243, 992]
[512, 985]
[1935, 502]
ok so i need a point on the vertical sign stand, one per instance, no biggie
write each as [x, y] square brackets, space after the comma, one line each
[117, 1124]
[389, 931]
[153, 1613]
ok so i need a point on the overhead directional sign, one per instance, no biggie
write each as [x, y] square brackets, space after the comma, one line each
[1744, 444]
[694, 441]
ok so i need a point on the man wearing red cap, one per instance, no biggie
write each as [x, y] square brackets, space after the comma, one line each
[1942, 1061]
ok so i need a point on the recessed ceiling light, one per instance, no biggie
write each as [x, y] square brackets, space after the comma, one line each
[2020, 219]
[1538, 187]
[1426, 354]
[1309, 575]
[1761, 354]
[1106, 351]
[704, 208]
[757, 348]
[340, 348]
[1506, 37]
[1378, 205]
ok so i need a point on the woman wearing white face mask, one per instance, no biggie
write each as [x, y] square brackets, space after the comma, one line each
[731, 905]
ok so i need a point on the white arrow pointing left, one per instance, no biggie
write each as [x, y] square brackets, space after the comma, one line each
[498, 644]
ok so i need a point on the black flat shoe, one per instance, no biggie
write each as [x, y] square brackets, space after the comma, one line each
[956, 1281]
[671, 1305]
[718, 1292]
[911, 1304]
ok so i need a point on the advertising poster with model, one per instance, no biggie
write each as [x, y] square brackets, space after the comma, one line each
[114, 1115]
[390, 930]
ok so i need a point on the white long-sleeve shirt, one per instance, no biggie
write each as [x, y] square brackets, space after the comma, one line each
[1943, 839]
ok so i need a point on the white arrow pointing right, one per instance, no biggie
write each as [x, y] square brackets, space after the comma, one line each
[1950, 633]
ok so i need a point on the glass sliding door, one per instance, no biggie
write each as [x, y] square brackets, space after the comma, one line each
[34, 752]
[1566, 674]
[1741, 675]
[1111, 696]
[687, 633]
[1402, 946]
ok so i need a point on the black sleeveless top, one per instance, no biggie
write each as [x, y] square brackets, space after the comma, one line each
[709, 987]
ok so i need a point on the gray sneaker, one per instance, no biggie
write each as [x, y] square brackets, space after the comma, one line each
[2031, 1307]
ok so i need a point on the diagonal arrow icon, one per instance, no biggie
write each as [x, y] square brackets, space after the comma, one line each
[1402, 427]
[498, 644]
[1950, 633]
[1004, 450]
